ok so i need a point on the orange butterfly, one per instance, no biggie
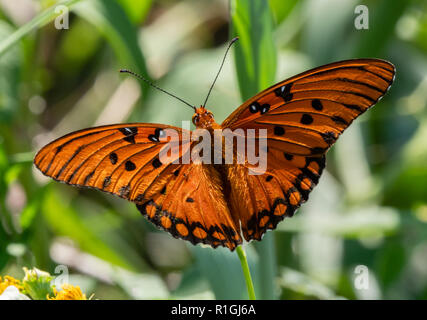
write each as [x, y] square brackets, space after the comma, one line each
[218, 204]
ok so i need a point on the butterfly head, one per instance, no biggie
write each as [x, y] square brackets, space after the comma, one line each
[203, 118]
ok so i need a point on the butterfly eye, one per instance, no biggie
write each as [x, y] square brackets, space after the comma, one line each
[196, 119]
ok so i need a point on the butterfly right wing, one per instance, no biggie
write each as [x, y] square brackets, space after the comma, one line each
[303, 117]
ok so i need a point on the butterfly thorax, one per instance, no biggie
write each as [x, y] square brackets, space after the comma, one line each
[204, 119]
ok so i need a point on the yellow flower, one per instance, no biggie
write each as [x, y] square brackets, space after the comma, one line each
[9, 281]
[68, 292]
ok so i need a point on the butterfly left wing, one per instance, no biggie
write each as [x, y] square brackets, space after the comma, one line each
[121, 159]
[303, 116]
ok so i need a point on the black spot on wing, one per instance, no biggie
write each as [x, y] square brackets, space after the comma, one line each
[288, 156]
[129, 133]
[339, 120]
[306, 119]
[254, 107]
[113, 158]
[317, 105]
[279, 131]
[130, 166]
[157, 163]
[264, 108]
[163, 191]
[329, 137]
[284, 92]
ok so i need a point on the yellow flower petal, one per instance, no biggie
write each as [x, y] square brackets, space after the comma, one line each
[9, 281]
[68, 292]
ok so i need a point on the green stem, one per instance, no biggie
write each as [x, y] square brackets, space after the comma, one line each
[246, 273]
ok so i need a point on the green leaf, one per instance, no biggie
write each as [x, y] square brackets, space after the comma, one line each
[255, 53]
[281, 9]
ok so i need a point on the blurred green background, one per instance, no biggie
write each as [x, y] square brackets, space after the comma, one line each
[369, 209]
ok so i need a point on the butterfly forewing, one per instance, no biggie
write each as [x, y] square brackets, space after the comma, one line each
[110, 158]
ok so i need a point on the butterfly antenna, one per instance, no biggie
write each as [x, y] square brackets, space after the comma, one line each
[223, 60]
[154, 86]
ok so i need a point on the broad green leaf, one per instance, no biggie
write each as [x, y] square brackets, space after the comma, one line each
[281, 9]
[255, 52]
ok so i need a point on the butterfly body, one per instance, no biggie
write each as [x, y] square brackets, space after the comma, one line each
[220, 204]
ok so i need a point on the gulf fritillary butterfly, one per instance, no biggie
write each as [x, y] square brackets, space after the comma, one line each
[219, 205]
